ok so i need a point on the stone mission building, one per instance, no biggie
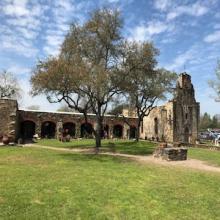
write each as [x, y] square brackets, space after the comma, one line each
[176, 121]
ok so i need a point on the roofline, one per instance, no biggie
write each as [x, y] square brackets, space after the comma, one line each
[72, 113]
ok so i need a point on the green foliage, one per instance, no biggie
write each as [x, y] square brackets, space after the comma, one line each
[144, 83]
[45, 184]
[206, 121]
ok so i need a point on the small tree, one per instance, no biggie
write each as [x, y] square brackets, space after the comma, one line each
[215, 84]
[143, 83]
[214, 122]
[205, 121]
[9, 87]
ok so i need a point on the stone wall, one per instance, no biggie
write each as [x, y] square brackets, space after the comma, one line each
[8, 118]
[178, 119]
[159, 124]
[77, 119]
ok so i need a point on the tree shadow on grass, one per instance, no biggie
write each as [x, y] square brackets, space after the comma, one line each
[94, 157]
[133, 148]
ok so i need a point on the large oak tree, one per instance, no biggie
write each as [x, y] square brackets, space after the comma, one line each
[95, 64]
[86, 75]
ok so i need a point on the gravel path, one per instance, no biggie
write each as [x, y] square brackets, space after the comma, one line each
[189, 163]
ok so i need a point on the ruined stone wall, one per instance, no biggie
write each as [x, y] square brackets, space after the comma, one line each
[59, 119]
[8, 118]
[177, 120]
[159, 124]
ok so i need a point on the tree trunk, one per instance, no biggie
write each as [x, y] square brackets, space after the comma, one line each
[98, 134]
[138, 130]
[97, 142]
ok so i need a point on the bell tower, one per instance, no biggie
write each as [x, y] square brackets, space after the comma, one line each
[186, 111]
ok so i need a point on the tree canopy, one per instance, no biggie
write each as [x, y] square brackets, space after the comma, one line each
[9, 87]
[96, 64]
[206, 121]
[145, 83]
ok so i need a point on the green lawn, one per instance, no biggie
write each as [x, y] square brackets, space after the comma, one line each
[132, 147]
[121, 146]
[210, 156]
[46, 184]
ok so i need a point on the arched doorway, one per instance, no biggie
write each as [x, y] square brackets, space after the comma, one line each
[133, 132]
[186, 135]
[86, 130]
[118, 131]
[156, 126]
[27, 129]
[48, 129]
[105, 131]
[69, 128]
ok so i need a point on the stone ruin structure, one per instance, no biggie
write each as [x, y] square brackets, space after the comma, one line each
[176, 121]
[17, 123]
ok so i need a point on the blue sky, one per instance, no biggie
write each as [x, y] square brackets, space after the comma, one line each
[186, 32]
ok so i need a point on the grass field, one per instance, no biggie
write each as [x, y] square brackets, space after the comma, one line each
[132, 147]
[121, 146]
[46, 184]
[210, 156]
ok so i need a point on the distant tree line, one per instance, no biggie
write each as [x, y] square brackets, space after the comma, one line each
[206, 121]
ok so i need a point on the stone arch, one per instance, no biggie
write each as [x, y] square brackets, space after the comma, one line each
[186, 135]
[156, 126]
[118, 131]
[105, 131]
[133, 132]
[70, 128]
[86, 130]
[48, 129]
[28, 128]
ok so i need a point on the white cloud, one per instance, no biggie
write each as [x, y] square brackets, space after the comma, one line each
[18, 45]
[196, 9]
[162, 5]
[214, 37]
[145, 32]
[16, 8]
[19, 70]
[178, 63]
[23, 23]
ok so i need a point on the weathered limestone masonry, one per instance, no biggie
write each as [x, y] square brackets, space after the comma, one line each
[177, 120]
[25, 124]
[8, 118]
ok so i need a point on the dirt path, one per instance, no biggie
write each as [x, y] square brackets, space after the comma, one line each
[189, 163]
